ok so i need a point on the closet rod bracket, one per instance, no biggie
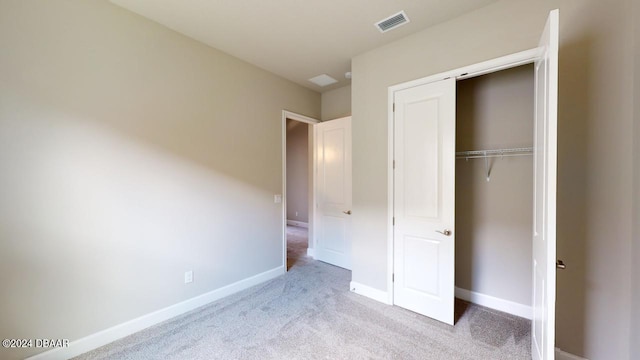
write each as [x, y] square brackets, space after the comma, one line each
[487, 168]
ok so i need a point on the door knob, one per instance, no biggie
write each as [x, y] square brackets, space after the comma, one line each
[348, 212]
[446, 232]
[560, 265]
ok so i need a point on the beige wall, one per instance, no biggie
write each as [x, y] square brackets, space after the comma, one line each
[336, 103]
[635, 321]
[297, 171]
[494, 219]
[595, 158]
[129, 154]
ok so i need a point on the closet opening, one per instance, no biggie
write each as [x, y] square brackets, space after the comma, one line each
[494, 174]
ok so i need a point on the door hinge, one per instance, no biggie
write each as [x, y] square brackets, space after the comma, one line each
[393, 221]
[394, 107]
[394, 164]
[393, 277]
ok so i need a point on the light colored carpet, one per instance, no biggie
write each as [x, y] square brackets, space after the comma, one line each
[310, 314]
[297, 244]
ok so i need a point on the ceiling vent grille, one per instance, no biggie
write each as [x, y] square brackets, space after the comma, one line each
[392, 22]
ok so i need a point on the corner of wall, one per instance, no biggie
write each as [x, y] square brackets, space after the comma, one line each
[336, 103]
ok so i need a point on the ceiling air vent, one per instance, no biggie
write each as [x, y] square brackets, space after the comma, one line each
[392, 22]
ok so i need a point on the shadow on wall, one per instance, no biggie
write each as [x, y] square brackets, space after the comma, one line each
[465, 222]
[135, 154]
[573, 225]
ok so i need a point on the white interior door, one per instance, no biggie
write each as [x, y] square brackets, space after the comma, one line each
[333, 192]
[544, 221]
[424, 199]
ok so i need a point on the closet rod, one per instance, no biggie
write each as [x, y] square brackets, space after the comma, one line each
[479, 154]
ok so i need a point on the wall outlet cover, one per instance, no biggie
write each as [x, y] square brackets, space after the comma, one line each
[188, 276]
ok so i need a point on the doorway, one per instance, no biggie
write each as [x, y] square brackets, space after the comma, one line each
[298, 182]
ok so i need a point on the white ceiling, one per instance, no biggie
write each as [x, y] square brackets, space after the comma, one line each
[297, 39]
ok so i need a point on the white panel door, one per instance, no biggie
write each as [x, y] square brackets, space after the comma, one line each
[333, 192]
[544, 214]
[424, 199]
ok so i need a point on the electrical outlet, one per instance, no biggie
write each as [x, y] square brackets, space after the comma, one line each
[277, 198]
[188, 276]
[296, 213]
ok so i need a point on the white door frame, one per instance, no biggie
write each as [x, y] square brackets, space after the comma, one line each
[312, 183]
[486, 67]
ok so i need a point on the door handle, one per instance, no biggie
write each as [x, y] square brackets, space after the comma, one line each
[348, 212]
[446, 232]
[560, 265]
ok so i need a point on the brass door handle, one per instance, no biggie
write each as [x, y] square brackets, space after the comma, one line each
[560, 265]
[348, 212]
[446, 232]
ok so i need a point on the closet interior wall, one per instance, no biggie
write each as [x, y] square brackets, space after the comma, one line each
[494, 218]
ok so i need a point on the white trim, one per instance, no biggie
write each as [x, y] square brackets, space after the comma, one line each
[510, 307]
[550, 181]
[371, 293]
[501, 63]
[482, 68]
[390, 195]
[312, 215]
[305, 119]
[562, 355]
[297, 117]
[101, 338]
[298, 223]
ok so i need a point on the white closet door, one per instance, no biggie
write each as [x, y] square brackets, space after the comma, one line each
[544, 221]
[424, 199]
[333, 192]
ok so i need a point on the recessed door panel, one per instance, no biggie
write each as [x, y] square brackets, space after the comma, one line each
[421, 149]
[334, 234]
[334, 164]
[422, 254]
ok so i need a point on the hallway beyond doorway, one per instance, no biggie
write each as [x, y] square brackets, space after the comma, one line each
[297, 244]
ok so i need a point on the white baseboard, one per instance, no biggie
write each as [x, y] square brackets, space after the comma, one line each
[298, 223]
[114, 333]
[364, 290]
[507, 306]
[311, 252]
[562, 355]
